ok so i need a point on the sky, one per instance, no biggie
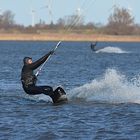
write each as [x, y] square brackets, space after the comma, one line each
[96, 11]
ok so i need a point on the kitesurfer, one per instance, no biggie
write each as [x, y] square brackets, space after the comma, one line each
[29, 79]
[93, 46]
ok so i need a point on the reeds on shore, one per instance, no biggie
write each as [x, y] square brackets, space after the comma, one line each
[68, 37]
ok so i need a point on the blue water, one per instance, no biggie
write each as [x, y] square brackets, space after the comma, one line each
[103, 89]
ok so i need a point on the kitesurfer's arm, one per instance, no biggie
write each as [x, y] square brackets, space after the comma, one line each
[40, 61]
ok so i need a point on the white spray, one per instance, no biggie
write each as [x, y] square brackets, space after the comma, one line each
[111, 88]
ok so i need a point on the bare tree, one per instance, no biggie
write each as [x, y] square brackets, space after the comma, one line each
[120, 22]
[71, 20]
[7, 19]
[61, 22]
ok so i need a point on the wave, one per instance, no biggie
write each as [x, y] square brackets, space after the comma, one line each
[110, 49]
[113, 87]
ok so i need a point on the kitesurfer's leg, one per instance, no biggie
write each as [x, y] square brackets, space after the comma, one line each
[34, 90]
[47, 90]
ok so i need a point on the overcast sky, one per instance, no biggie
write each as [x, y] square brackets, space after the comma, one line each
[96, 11]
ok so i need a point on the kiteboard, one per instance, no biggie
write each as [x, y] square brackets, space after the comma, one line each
[59, 96]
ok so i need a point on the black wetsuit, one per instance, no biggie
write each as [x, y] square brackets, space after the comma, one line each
[29, 79]
[93, 46]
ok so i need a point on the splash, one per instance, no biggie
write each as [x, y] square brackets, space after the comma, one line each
[110, 49]
[40, 97]
[111, 88]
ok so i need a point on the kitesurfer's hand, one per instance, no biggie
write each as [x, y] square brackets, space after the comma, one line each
[51, 52]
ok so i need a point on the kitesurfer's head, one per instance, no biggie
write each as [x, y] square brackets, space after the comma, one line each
[27, 60]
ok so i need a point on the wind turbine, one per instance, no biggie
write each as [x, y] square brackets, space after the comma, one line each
[33, 12]
[78, 12]
[49, 10]
[78, 15]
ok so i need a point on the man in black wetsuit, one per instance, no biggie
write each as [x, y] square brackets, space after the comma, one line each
[93, 46]
[29, 79]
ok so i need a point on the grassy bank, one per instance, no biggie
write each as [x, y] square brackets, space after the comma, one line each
[67, 37]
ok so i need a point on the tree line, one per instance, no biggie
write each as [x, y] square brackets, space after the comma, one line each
[120, 22]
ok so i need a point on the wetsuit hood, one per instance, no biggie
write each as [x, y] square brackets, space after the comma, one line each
[25, 60]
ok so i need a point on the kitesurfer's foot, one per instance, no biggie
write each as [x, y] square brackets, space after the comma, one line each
[59, 95]
[61, 91]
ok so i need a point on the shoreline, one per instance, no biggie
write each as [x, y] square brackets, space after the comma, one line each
[68, 37]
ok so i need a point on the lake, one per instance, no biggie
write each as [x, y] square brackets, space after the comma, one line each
[103, 89]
